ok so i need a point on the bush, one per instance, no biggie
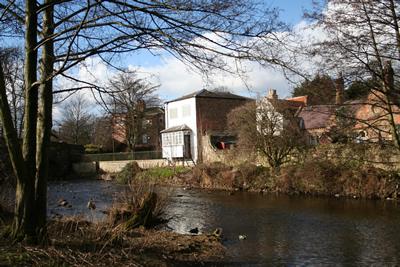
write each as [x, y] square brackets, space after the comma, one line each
[128, 173]
[245, 176]
[140, 205]
[325, 177]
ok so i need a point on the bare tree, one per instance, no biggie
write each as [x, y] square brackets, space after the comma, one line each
[12, 61]
[128, 98]
[363, 42]
[66, 33]
[267, 128]
[77, 122]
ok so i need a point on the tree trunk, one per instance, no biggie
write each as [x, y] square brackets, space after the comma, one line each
[25, 221]
[44, 123]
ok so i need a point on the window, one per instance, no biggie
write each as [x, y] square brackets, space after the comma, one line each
[186, 111]
[172, 139]
[173, 113]
[145, 139]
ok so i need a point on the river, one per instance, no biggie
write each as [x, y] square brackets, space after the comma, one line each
[279, 230]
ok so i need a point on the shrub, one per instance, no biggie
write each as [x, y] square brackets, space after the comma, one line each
[128, 173]
[325, 177]
[140, 205]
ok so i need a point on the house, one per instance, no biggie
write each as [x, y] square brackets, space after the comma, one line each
[361, 120]
[277, 113]
[372, 118]
[152, 122]
[197, 120]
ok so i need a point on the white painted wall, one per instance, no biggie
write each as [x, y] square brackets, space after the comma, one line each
[185, 111]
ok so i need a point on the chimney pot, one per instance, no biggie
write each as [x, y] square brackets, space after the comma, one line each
[272, 94]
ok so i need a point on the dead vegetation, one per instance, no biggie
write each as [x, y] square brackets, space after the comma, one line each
[138, 206]
[338, 179]
[80, 243]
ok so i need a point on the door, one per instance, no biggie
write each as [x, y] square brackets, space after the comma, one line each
[187, 149]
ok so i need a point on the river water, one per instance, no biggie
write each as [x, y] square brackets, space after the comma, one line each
[279, 230]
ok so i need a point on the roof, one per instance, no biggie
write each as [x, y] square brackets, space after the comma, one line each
[150, 111]
[178, 128]
[298, 100]
[317, 116]
[210, 94]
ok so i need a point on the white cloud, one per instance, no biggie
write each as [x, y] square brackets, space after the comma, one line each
[176, 79]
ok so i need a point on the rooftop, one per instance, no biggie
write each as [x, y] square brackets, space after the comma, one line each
[210, 94]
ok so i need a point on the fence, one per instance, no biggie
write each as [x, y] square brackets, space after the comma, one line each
[139, 155]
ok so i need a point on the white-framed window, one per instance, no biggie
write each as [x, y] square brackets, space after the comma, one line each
[186, 111]
[173, 113]
[172, 139]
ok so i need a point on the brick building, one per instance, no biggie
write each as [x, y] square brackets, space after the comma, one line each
[189, 118]
[149, 139]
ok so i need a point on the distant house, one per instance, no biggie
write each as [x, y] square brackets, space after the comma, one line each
[192, 119]
[149, 139]
[364, 119]
[372, 118]
[280, 111]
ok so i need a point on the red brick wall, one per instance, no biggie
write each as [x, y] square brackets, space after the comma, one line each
[212, 116]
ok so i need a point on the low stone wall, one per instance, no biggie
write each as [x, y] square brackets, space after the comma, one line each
[116, 166]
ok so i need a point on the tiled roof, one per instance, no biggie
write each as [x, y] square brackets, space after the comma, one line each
[317, 116]
[209, 94]
[298, 100]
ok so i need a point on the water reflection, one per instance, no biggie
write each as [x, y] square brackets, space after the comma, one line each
[294, 230]
[280, 230]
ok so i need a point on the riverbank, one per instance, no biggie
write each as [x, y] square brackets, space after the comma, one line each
[80, 243]
[311, 177]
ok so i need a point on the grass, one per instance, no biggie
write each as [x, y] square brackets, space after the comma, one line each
[161, 174]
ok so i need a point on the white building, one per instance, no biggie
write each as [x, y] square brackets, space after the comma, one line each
[192, 116]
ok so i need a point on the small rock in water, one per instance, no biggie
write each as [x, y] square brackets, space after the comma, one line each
[354, 197]
[179, 195]
[194, 231]
[62, 202]
[242, 237]
[389, 198]
[337, 195]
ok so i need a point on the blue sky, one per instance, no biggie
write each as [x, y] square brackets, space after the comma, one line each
[291, 13]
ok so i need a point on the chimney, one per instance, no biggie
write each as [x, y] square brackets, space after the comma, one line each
[339, 85]
[141, 105]
[272, 94]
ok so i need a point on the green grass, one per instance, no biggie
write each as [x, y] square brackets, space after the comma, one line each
[160, 174]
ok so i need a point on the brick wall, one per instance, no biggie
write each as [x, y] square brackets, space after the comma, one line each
[212, 116]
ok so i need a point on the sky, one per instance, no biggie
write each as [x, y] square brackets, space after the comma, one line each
[175, 79]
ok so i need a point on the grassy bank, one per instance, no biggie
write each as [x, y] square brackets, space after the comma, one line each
[311, 177]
